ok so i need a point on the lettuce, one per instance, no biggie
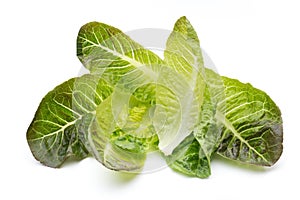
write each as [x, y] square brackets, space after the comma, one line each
[133, 102]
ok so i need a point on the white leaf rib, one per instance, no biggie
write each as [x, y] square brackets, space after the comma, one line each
[240, 106]
[80, 106]
[115, 53]
[221, 118]
[47, 121]
[55, 132]
[65, 107]
[230, 97]
[55, 115]
[96, 37]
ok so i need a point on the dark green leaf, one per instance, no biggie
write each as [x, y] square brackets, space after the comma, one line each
[63, 116]
[252, 125]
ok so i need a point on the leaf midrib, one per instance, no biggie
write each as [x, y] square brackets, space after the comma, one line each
[115, 53]
[61, 129]
[223, 119]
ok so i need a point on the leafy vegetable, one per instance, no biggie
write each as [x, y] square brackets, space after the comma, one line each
[109, 53]
[133, 103]
[183, 53]
[124, 117]
[252, 126]
[59, 127]
[234, 120]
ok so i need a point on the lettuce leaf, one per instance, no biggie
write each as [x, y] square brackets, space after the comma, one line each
[62, 119]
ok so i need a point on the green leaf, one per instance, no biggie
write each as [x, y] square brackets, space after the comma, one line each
[252, 125]
[62, 118]
[183, 51]
[188, 158]
[246, 124]
[107, 51]
[183, 54]
[171, 119]
[122, 142]
[115, 152]
[183, 57]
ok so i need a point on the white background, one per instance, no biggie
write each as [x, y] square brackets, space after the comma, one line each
[254, 41]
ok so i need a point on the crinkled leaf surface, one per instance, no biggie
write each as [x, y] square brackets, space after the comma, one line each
[183, 54]
[122, 146]
[63, 116]
[133, 102]
[247, 123]
[236, 120]
[129, 67]
[111, 54]
[107, 51]
[251, 125]
[188, 158]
